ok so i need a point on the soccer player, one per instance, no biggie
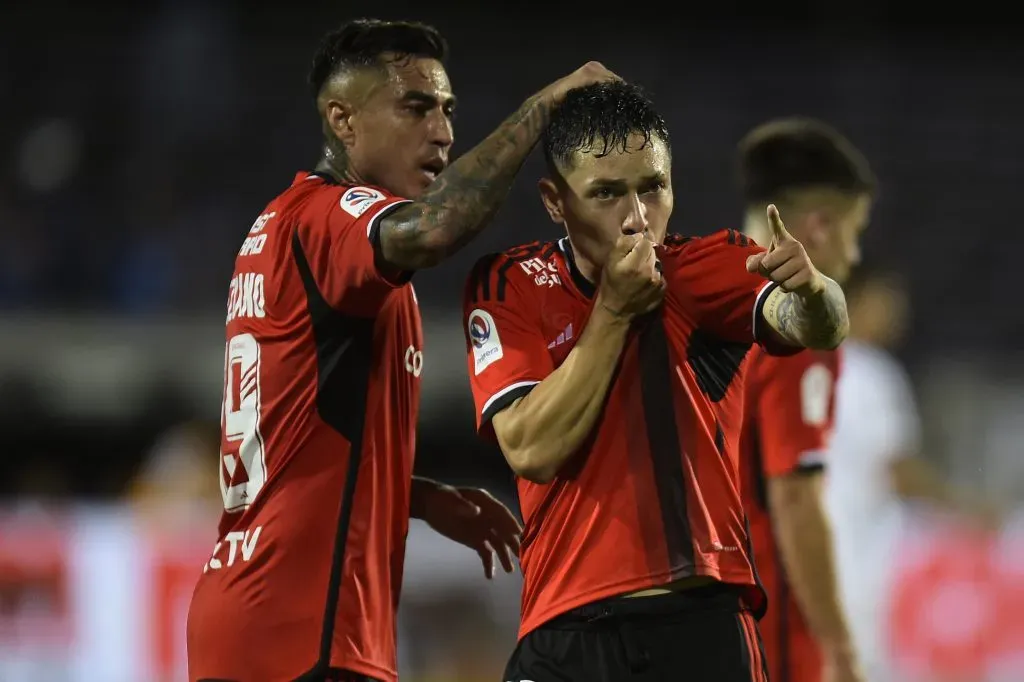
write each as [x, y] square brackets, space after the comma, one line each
[322, 368]
[606, 364]
[824, 186]
[875, 464]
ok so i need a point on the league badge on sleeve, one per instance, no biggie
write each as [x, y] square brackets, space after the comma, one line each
[483, 335]
[356, 200]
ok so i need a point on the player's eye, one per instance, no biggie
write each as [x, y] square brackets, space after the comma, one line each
[654, 187]
[603, 193]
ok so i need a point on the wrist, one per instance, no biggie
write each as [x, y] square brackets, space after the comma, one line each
[838, 647]
[608, 314]
[816, 291]
[419, 496]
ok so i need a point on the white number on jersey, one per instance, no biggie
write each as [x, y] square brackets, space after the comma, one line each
[815, 394]
[243, 466]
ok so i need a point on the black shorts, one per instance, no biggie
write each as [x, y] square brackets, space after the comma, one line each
[699, 635]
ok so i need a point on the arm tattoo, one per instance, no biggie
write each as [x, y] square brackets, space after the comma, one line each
[464, 198]
[819, 322]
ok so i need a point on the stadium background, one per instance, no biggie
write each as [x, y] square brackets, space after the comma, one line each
[137, 147]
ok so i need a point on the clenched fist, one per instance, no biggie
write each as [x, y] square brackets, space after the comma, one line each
[786, 261]
[631, 283]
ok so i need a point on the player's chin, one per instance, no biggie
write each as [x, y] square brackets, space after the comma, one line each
[420, 180]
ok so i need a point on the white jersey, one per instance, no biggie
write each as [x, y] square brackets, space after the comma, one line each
[876, 422]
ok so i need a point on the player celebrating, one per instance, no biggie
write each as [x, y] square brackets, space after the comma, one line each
[825, 187]
[607, 367]
[323, 361]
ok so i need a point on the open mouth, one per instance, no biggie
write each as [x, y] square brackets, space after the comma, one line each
[433, 168]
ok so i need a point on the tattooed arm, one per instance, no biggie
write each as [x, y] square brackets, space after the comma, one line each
[463, 199]
[807, 308]
[813, 320]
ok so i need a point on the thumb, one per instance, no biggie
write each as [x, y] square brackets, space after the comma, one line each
[754, 262]
[625, 244]
[776, 226]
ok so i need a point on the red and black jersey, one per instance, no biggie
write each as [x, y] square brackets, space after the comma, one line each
[654, 495]
[788, 416]
[323, 355]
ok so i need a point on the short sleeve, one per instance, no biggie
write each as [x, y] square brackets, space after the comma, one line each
[338, 238]
[711, 275]
[506, 352]
[795, 410]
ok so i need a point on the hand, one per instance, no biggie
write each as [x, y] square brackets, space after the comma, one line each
[474, 518]
[631, 283]
[591, 72]
[786, 261]
[840, 665]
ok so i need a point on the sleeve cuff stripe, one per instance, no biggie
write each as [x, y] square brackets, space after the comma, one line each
[759, 321]
[505, 397]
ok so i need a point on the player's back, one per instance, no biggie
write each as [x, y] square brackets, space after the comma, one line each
[322, 364]
[788, 408]
[653, 496]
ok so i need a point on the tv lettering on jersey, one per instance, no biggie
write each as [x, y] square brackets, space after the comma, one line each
[483, 334]
[356, 200]
[239, 544]
[246, 296]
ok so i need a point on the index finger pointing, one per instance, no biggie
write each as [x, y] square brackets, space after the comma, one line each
[775, 224]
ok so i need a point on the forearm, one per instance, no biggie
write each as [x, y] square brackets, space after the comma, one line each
[804, 538]
[464, 198]
[541, 431]
[817, 321]
[913, 478]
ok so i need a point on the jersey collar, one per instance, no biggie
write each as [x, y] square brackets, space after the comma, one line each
[584, 285]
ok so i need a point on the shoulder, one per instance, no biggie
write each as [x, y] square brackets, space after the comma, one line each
[495, 276]
[691, 247]
[317, 197]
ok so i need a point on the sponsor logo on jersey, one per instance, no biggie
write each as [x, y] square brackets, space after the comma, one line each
[356, 200]
[483, 335]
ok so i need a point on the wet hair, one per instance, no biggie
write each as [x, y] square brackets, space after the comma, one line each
[790, 154]
[362, 43]
[605, 113]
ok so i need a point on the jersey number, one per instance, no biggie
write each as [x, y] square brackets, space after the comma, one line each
[243, 466]
[816, 394]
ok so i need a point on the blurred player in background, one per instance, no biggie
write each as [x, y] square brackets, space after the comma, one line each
[824, 187]
[875, 464]
[323, 363]
[607, 366]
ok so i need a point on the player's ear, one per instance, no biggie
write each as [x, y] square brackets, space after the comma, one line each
[338, 116]
[552, 199]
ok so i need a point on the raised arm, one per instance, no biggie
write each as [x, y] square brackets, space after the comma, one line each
[464, 198]
[807, 309]
[540, 432]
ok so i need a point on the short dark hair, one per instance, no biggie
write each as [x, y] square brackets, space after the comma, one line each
[362, 42]
[608, 112]
[797, 153]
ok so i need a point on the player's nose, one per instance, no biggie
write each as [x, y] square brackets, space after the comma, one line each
[442, 133]
[635, 221]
